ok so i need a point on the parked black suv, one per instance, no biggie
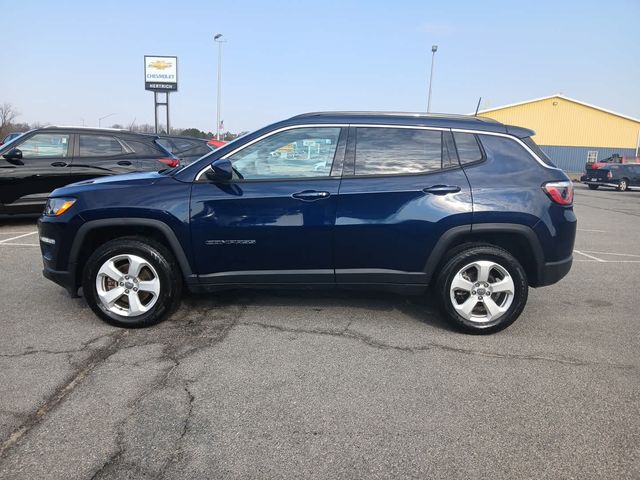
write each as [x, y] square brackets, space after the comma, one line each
[187, 149]
[622, 177]
[397, 201]
[44, 159]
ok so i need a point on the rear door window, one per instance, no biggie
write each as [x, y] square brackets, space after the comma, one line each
[99, 146]
[397, 151]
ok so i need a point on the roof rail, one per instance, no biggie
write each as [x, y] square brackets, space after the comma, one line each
[89, 128]
[395, 114]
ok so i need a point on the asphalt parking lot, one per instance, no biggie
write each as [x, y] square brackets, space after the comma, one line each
[255, 384]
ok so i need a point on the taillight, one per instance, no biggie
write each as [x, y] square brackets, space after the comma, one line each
[170, 162]
[609, 175]
[560, 192]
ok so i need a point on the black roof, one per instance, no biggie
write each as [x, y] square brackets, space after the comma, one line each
[414, 118]
[102, 130]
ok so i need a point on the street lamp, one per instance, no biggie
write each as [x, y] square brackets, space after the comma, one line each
[102, 118]
[434, 49]
[217, 38]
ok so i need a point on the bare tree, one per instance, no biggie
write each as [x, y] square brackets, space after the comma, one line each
[7, 115]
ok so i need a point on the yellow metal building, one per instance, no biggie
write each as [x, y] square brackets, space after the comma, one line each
[572, 132]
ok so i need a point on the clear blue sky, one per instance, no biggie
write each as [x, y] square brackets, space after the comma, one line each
[68, 61]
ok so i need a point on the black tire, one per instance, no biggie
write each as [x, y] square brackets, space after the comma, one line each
[467, 254]
[593, 187]
[623, 185]
[156, 255]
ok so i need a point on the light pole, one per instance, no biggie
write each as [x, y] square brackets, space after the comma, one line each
[102, 118]
[434, 49]
[217, 38]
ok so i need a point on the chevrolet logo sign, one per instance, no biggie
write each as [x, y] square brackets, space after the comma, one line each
[160, 65]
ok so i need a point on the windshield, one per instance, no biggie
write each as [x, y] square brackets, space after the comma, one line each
[12, 137]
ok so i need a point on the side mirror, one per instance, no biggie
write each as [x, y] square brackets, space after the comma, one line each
[14, 156]
[221, 171]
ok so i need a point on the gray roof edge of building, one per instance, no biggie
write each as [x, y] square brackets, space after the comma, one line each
[564, 97]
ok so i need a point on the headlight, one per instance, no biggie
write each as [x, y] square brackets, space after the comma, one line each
[57, 206]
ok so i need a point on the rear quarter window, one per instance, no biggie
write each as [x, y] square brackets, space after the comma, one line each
[507, 154]
[528, 141]
[144, 148]
[469, 150]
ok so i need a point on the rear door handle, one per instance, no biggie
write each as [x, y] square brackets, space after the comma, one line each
[310, 195]
[59, 164]
[124, 163]
[441, 189]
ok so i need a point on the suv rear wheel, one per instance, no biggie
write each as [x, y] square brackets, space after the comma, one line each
[131, 282]
[623, 184]
[482, 288]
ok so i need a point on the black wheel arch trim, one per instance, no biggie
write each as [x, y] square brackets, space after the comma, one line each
[164, 229]
[448, 238]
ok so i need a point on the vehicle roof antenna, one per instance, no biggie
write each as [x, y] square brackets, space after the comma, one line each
[477, 107]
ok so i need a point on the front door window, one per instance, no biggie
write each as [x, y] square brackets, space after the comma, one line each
[295, 153]
[45, 145]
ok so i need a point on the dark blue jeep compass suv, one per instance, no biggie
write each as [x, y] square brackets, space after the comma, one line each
[467, 206]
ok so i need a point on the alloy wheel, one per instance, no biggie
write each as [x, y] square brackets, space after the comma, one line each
[127, 285]
[482, 291]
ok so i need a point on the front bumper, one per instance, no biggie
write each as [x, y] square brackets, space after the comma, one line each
[54, 242]
[63, 278]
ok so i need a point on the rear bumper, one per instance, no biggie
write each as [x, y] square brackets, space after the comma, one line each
[603, 184]
[553, 272]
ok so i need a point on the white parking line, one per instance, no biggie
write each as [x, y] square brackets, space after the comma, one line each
[617, 254]
[12, 232]
[607, 261]
[19, 245]
[589, 230]
[19, 236]
[591, 256]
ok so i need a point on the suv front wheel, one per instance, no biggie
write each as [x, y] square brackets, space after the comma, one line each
[132, 282]
[482, 288]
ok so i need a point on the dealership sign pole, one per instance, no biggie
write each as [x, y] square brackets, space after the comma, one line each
[161, 76]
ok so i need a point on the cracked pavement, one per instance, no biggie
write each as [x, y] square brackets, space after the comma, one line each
[269, 384]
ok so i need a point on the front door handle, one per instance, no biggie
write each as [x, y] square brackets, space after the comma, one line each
[441, 189]
[59, 164]
[310, 195]
[124, 163]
